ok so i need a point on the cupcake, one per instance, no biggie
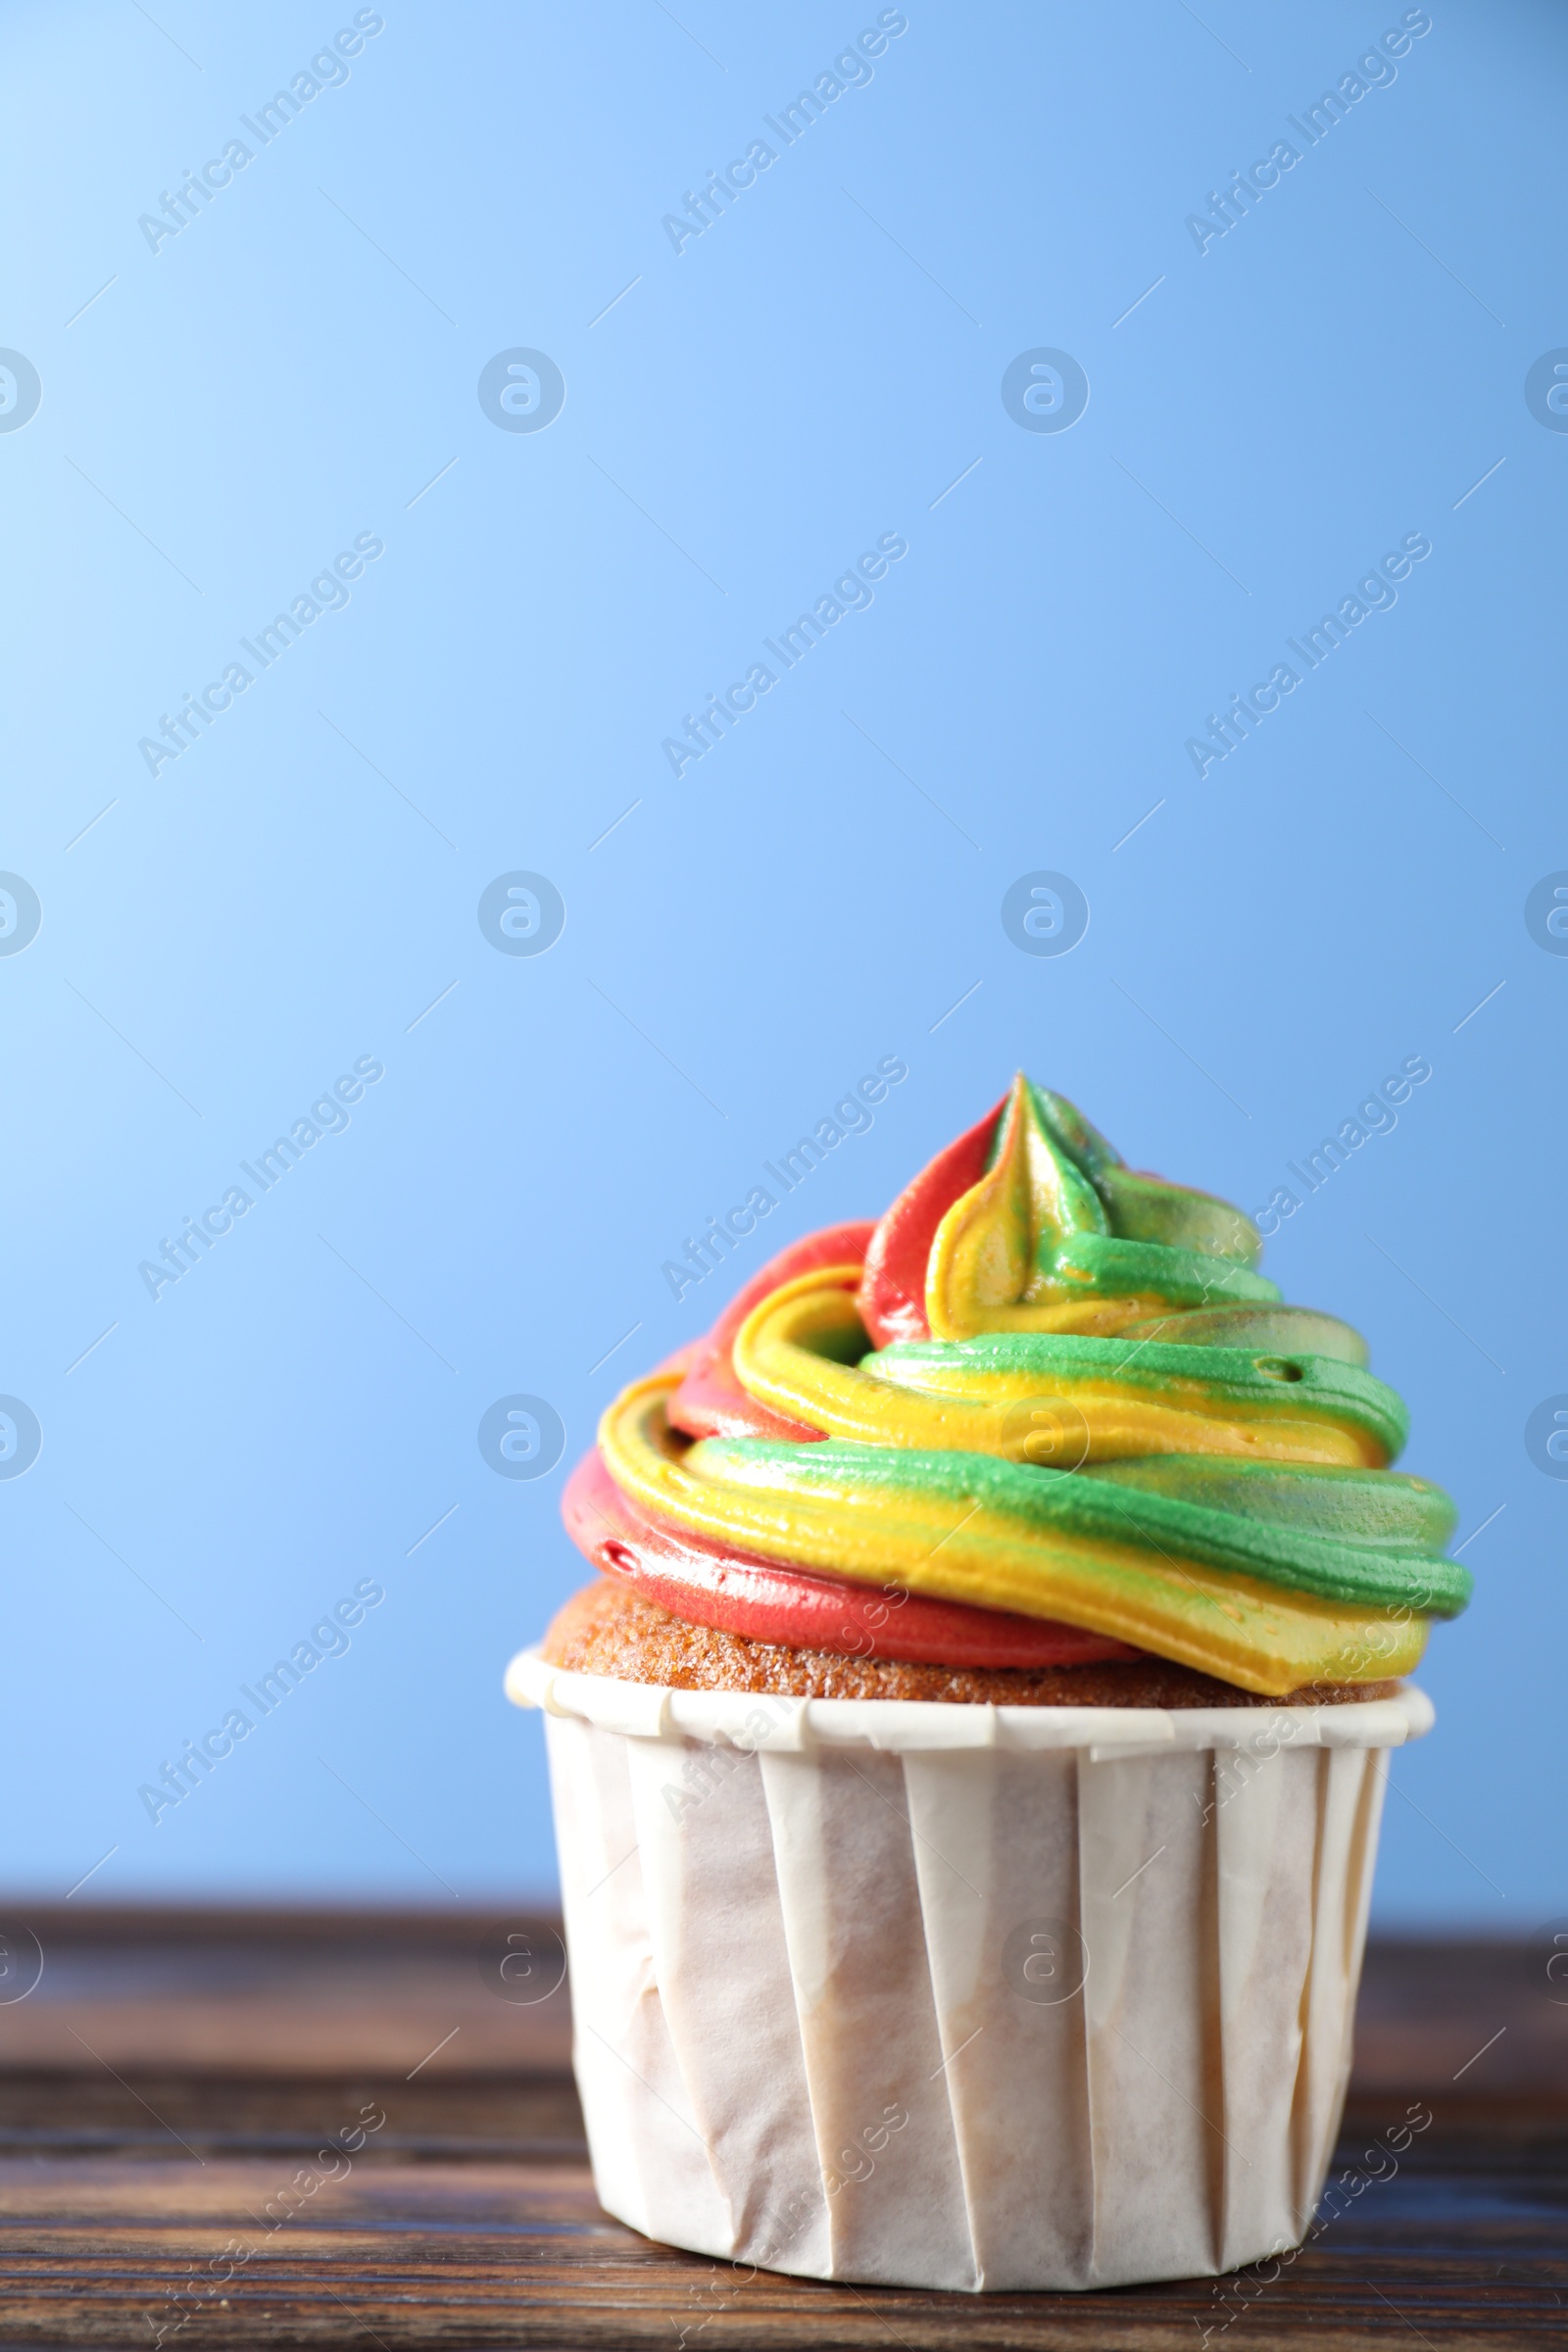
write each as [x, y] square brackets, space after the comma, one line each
[966, 1762]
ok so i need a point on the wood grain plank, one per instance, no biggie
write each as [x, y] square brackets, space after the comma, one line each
[161, 2111]
[1470, 2249]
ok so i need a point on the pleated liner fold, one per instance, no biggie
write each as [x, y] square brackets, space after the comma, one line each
[962, 1998]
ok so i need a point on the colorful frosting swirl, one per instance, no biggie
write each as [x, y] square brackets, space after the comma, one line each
[1044, 1393]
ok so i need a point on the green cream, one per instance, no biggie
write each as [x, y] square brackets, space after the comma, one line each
[1141, 1209]
[1369, 1538]
[1268, 1329]
[1104, 1265]
[1156, 1372]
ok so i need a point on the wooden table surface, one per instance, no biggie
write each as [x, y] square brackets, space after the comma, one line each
[173, 2074]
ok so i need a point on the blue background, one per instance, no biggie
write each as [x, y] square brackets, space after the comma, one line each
[818, 891]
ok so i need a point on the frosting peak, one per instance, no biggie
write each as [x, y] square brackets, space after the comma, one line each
[1033, 1222]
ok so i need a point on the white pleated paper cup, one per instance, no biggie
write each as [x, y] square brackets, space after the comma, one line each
[962, 1996]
